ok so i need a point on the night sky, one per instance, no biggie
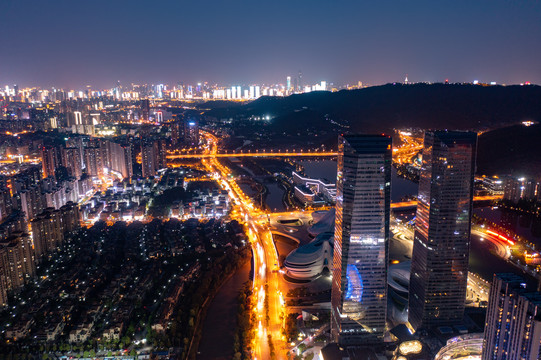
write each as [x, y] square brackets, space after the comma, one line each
[95, 42]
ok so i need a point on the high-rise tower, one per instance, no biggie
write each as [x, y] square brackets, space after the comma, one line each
[439, 270]
[359, 278]
[49, 160]
[513, 321]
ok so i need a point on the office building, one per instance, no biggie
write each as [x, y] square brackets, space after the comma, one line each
[439, 270]
[288, 85]
[361, 238]
[513, 321]
[191, 132]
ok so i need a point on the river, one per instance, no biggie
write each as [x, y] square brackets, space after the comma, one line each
[326, 169]
[220, 322]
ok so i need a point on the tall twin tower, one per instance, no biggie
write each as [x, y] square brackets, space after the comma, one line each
[439, 269]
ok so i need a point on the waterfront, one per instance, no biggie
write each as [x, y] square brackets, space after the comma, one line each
[220, 322]
[326, 169]
[525, 225]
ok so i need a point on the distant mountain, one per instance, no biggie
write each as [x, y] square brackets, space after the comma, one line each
[514, 150]
[381, 108]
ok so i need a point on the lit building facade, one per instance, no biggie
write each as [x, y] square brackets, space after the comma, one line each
[71, 159]
[94, 161]
[16, 260]
[439, 270]
[361, 238]
[119, 158]
[191, 132]
[47, 232]
[149, 152]
[513, 321]
[516, 189]
[49, 160]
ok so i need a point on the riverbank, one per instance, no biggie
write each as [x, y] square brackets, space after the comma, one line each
[220, 322]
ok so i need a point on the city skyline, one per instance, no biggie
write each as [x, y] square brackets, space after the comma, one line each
[230, 43]
[279, 180]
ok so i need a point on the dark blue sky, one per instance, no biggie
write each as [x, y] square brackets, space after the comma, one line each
[73, 43]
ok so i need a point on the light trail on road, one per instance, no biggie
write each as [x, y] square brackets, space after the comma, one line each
[267, 288]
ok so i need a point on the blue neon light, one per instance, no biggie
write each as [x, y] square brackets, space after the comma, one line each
[354, 291]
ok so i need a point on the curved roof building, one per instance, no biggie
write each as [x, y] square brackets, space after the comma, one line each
[308, 261]
[465, 347]
[398, 279]
[323, 223]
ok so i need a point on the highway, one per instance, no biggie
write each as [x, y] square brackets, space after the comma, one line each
[269, 301]
[411, 145]
[501, 246]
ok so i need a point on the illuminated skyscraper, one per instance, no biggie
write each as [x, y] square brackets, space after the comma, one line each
[513, 321]
[439, 270]
[191, 132]
[288, 85]
[361, 238]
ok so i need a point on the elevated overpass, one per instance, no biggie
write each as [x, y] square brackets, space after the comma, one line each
[253, 154]
[412, 204]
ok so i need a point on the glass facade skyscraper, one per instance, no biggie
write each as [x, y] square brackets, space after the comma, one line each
[361, 238]
[439, 270]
